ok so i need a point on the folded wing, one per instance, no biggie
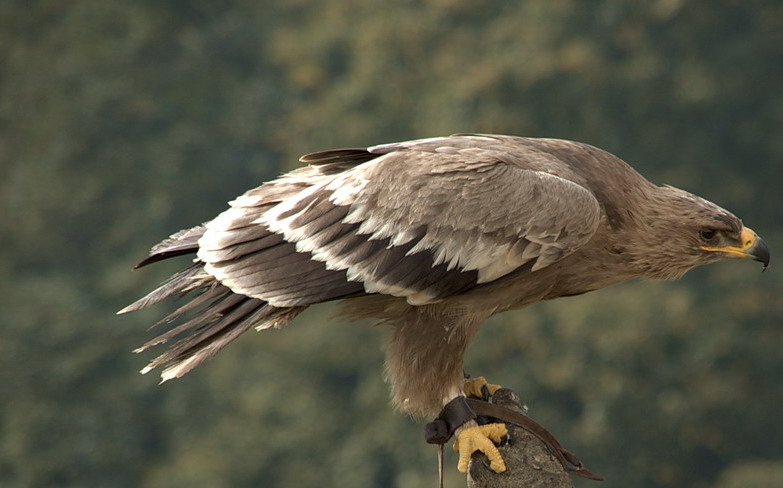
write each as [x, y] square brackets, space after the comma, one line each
[421, 220]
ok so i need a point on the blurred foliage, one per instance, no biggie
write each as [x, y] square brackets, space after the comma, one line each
[121, 122]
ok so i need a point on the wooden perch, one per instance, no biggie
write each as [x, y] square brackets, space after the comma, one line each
[529, 462]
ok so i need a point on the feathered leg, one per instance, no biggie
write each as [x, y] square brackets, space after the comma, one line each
[424, 369]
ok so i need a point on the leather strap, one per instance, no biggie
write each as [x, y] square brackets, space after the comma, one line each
[454, 414]
[569, 461]
[439, 431]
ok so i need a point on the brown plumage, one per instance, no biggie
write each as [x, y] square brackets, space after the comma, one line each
[432, 236]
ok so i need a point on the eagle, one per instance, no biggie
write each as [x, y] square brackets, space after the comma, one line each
[432, 236]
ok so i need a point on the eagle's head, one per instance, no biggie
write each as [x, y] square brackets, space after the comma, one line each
[682, 231]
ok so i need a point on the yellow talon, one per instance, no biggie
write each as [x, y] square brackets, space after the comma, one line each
[480, 438]
[473, 388]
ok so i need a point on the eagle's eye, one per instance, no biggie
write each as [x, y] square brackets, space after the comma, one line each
[707, 234]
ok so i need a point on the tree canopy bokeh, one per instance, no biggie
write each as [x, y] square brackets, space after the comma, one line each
[122, 122]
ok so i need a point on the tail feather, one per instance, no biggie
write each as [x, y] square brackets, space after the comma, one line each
[213, 336]
[193, 355]
[218, 317]
[206, 294]
[182, 282]
[218, 293]
[213, 321]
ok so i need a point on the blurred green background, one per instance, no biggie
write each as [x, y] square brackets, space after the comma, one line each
[122, 122]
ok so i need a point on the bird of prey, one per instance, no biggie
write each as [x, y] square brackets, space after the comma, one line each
[432, 236]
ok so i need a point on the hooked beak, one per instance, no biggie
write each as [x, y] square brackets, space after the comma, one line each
[751, 247]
